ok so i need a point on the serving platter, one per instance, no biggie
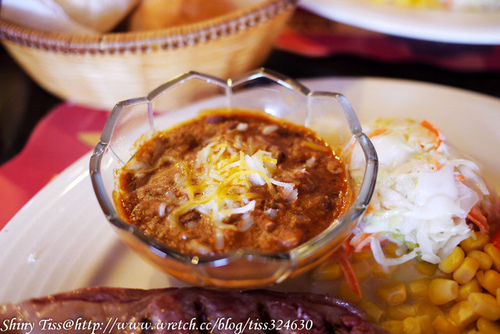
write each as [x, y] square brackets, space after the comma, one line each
[61, 240]
[439, 25]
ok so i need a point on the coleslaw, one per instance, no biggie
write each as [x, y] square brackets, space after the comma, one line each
[427, 197]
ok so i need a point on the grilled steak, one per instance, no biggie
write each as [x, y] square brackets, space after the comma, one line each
[183, 310]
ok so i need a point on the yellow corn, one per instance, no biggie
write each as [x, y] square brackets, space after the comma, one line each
[362, 269]
[392, 249]
[480, 276]
[327, 272]
[426, 268]
[465, 290]
[419, 289]
[425, 307]
[485, 326]
[373, 311]
[346, 293]
[461, 314]
[444, 326]
[452, 261]
[485, 261]
[485, 305]
[494, 252]
[400, 312]
[392, 293]
[363, 255]
[477, 240]
[442, 291]
[491, 281]
[471, 331]
[381, 271]
[466, 271]
[411, 326]
[393, 326]
[425, 324]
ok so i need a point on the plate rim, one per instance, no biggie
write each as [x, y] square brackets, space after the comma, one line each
[456, 26]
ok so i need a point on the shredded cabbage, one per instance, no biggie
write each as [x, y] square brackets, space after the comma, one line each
[423, 195]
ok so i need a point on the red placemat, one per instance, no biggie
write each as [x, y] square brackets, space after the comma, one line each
[310, 35]
[60, 138]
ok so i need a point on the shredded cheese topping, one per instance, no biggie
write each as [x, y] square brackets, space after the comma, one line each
[219, 184]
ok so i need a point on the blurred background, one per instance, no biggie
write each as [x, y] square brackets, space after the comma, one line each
[309, 46]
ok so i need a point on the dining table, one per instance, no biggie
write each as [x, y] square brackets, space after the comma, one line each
[58, 239]
[41, 134]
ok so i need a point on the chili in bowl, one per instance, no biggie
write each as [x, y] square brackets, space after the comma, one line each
[244, 188]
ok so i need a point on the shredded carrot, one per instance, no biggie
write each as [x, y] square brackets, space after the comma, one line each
[377, 132]
[460, 177]
[347, 247]
[360, 242]
[370, 208]
[350, 275]
[439, 136]
[476, 216]
[436, 163]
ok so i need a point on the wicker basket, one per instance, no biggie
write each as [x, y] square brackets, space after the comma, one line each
[99, 70]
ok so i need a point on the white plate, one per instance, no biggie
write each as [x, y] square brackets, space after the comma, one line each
[61, 241]
[434, 25]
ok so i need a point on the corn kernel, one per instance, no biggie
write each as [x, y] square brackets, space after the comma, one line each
[491, 281]
[494, 252]
[392, 293]
[442, 291]
[485, 305]
[392, 249]
[400, 312]
[444, 326]
[485, 261]
[425, 307]
[471, 331]
[425, 324]
[477, 240]
[346, 293]
[361, 256]
[485, 326]
[362, 269]
[452, 261]
[393, 326]
[381, 271]
[419, 289]
[327, 272]
[373, 311]
[411, 326]
[480, 276]
[465, 290]
[466, 271]
[426, 268]
[461, 314]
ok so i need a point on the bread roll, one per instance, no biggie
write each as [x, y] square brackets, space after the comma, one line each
[159, 14]
[100, 15]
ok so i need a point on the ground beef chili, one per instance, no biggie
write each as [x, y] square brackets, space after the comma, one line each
[232, 179]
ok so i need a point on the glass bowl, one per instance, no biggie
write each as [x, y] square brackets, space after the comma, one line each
[328, 113]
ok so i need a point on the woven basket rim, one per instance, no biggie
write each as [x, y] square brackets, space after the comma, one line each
[147, 41]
